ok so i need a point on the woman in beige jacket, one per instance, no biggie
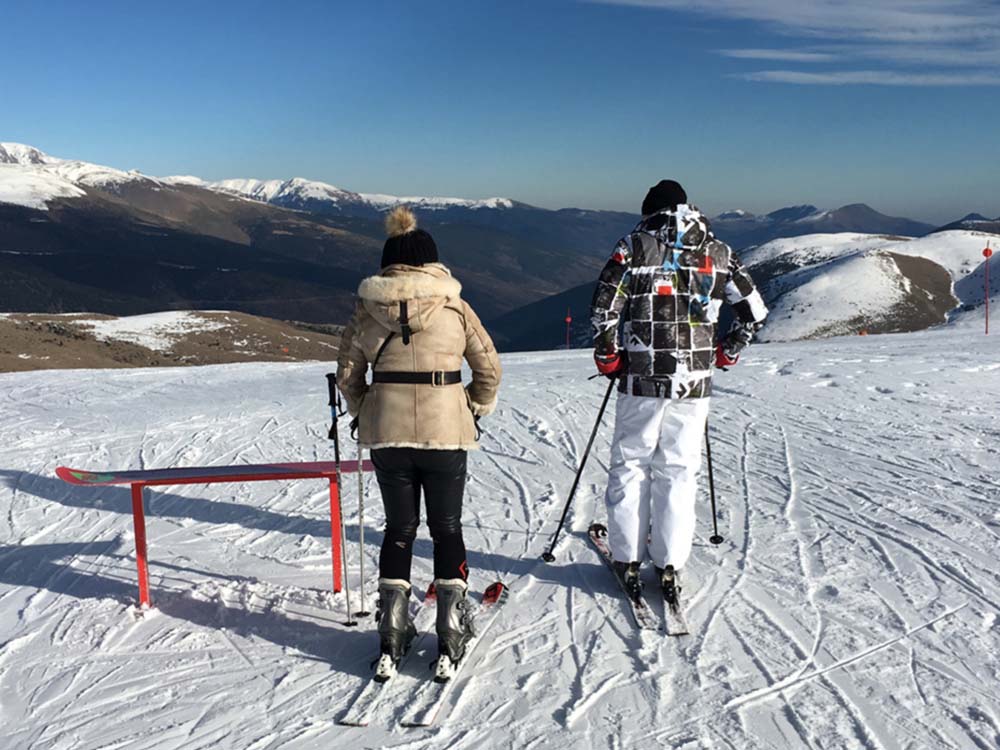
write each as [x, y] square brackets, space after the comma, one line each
[412, 326]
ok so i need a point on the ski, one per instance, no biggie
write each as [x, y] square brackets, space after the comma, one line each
[381, 685]
[642, 613]
[428, 703]
[673, 607]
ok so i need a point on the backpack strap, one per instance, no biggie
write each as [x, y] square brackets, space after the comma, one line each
[381, 349]
[404, 322]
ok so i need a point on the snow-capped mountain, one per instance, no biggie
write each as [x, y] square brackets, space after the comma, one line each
[294, 193]
[18, 153]
[311, 195]
[33, 178]
[38, 170]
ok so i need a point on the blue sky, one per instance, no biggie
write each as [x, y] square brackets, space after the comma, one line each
[753, 104]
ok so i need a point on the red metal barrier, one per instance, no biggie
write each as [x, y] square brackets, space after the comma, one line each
[214, 475]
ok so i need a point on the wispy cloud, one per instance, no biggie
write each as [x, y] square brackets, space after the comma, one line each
[908, 37]
[785, 55]
[872, 78]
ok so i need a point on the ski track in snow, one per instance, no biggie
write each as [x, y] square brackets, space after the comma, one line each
[852, 604]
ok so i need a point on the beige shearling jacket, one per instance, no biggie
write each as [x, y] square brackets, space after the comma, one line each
[444, 331]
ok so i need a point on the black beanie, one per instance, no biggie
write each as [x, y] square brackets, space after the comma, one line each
[664, 194]
[406, 243]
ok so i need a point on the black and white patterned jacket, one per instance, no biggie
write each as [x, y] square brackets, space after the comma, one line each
[666, 281]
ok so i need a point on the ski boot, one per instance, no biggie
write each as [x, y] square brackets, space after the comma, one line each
[395, 627]
[670, 582]
[628, 573]
[454, 625]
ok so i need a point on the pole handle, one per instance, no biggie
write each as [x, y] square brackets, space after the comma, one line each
[331, 383]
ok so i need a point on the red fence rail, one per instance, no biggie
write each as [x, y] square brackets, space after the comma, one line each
[139, 480]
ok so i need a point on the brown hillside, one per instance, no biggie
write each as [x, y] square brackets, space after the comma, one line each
[44, 342]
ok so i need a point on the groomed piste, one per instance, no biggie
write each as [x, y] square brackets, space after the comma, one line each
[852, 604]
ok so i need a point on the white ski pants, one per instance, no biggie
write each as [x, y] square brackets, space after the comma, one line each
[653, 478]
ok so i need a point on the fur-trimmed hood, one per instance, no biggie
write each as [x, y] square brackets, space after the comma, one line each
[400, 282]
[426, 289]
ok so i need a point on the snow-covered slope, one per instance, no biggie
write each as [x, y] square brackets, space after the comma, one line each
[853, 603]
[810, 249]
[855, 293]
[29, 177]
[829, 284]
[33, 188]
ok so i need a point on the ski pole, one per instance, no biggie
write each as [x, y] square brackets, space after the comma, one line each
[715, 538]
[361, 527]
[548, 556]
[331, 381]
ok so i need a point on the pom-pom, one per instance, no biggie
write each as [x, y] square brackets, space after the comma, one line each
[400, 221]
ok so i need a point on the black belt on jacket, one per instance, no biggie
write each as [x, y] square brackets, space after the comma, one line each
[436, 377]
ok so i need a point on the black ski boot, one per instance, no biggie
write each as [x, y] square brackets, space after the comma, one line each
[670, 582]
[454, 625]
[629, 575]
[395, 627]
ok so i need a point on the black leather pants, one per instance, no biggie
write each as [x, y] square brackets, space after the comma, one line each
[402, 473]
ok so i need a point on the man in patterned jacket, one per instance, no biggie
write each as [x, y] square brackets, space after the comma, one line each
[664, 286]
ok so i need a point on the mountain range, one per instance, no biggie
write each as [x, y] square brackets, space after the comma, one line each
[816, 286]
[80, 237]
[76, 236]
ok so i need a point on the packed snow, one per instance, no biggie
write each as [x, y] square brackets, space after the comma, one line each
[157, 331]
[853, 603]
